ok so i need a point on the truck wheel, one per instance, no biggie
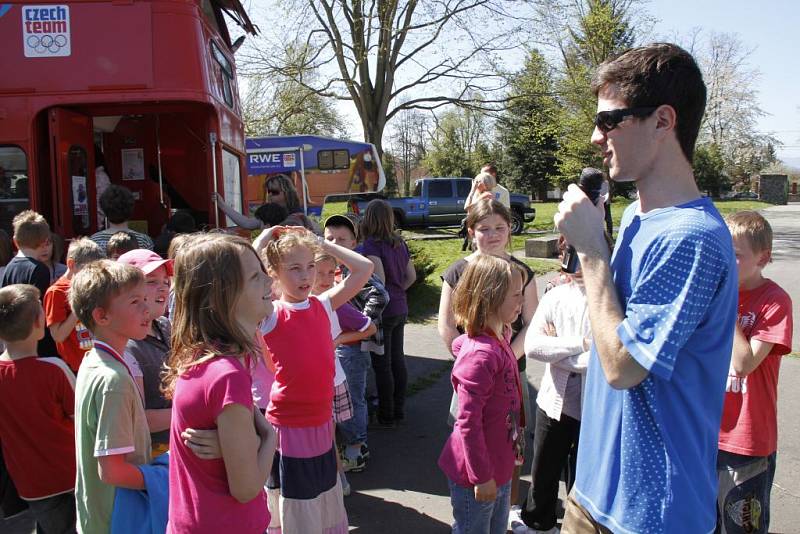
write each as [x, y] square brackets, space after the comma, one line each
[517, 222]
[398, 220]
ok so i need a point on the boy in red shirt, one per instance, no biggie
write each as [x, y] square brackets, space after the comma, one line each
[72, 338]
[37, 403]
[748, 438]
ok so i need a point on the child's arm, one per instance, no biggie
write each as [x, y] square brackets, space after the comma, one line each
[747, 355]
[116, 471]
[360, 270]
[530, 301]
[377, 265]
[61, 331]
[247, 450]
[355, 335]
[446, 322]
[158, 419]
[410, 274]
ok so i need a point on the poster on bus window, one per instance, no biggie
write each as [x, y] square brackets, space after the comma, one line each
[80, 199]
[46, 31]
[133, 164]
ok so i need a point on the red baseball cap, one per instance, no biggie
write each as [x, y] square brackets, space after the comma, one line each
[146, 260]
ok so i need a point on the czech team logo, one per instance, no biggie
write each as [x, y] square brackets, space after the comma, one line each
[45, 31]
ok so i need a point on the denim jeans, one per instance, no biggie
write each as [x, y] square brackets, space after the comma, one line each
[356, 365]
[745, 483]
[391, 376]
[473, 517]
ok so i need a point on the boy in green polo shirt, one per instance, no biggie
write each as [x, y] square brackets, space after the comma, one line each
[111, 433]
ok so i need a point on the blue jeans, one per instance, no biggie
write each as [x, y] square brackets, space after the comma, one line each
[355, 364]
[745, 483]
[473, 517]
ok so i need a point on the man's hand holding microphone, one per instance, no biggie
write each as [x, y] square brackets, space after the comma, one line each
[580, 218]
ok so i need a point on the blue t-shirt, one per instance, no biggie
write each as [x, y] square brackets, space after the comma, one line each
[647, 455]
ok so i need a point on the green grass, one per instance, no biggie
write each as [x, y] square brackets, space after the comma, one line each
[423, 297]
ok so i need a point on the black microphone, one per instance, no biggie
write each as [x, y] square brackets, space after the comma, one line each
[591, 183]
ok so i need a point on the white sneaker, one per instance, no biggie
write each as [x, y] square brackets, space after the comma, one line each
[518, 526]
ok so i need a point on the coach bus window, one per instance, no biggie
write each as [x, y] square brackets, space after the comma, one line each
[78, 173]
[226, 73]
[328, 160]
[13, 184]
[232, 181]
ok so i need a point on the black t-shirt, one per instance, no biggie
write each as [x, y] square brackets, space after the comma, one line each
[453, 274]
[25, 270]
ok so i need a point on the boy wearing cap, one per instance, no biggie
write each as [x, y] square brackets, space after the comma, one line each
[354, 357]
[72, 338]
[146, 356]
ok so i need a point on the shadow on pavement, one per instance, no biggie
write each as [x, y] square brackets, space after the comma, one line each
[368, 514]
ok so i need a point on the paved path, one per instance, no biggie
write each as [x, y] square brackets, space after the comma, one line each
[403, 490]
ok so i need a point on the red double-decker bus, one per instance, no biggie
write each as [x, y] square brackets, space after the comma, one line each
[145, 87]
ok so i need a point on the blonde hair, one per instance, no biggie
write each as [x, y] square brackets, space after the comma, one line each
[378, 223]
[96, 284]
[30, 229]
[320, 256]
[19, 308]
[277, 249]
[208, 282]
[84, 251]
[178, 241]
[488, 181]
[481, 290]
[753, 227]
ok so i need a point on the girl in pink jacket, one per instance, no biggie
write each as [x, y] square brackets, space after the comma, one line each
[488, 436]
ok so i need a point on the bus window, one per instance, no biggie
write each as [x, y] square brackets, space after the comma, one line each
[225, 75]
[232, 182]
[14, 196]
[328, 160]
[78, 172]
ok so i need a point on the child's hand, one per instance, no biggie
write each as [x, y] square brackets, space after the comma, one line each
[263, 428]
[203, 443]
[486, 492]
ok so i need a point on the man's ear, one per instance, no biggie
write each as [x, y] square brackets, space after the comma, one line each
[666, 118]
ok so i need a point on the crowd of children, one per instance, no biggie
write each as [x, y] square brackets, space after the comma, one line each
[250, 378]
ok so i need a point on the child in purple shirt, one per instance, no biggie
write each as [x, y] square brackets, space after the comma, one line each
[488, 436]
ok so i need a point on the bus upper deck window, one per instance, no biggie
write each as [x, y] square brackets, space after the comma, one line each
[14, 196]
[341, 159]
[226, 78]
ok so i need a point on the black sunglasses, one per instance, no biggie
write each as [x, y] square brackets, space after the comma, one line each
[608, 120]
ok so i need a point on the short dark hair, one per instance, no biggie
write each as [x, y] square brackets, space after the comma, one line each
[271, 213]
[120, 243]
[491, 168]
[117, 202]
[19, 308]
[182, 222]
[659, 74]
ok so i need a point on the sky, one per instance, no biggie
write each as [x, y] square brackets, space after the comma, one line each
[771, 28]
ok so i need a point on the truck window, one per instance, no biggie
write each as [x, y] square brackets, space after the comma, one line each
[440, 189]
[14, 196]
[463, 187]
[417, 189]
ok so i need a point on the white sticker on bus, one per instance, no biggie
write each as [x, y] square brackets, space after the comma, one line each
[45, 31]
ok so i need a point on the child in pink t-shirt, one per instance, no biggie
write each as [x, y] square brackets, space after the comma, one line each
[488, 436]
[748, 438]
[298, 335]
[208, 378]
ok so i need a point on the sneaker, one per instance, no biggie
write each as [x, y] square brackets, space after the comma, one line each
[354, 465]
[345, 485]
[518, 526]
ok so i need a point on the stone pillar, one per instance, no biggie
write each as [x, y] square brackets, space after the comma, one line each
[773, 188]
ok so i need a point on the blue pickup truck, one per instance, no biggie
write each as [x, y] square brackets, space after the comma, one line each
[440, 202]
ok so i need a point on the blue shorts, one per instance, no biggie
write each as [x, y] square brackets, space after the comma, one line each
[745, 483]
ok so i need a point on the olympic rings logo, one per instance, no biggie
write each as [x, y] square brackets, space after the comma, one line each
[46, 43]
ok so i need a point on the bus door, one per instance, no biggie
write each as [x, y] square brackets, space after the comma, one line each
[72, 172]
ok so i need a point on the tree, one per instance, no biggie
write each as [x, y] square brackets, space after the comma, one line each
[585, 33]
[732, 108]
[460, 143]
[528, 131]
[282, 106]
[408, 139]
[390, 55]
[709, 170]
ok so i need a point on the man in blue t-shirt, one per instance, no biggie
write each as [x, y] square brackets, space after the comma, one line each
[662, 308]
